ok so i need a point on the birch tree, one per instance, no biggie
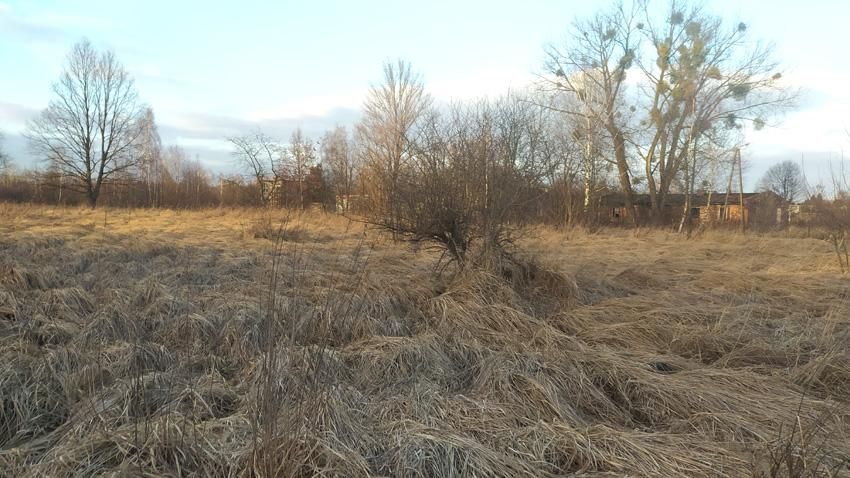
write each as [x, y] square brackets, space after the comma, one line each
[4, 158]
[150, 157]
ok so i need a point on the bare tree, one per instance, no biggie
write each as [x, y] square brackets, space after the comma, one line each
[4, 158]
[194, 179]
[338, 155]
[691, 73]
[184, 178]
[785, 179]
[698, 74]
[91, 126]
[391, 113]
[302, 155]
[592, 68]
[173, 159]
[261, 155]
[150, 157]
[571, 154]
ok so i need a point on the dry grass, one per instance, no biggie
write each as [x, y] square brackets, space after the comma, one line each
[218, 343]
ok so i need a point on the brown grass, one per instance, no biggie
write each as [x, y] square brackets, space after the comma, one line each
[243, 343]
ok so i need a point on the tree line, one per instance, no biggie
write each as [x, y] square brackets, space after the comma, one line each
[640, 98]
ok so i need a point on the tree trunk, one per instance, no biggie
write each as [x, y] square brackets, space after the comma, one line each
[690, 180]
[92, 193]
[623, 169]
[653, 197]
[589, 168]
[686, 214]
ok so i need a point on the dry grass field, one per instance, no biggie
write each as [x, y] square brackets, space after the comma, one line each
[164, 343]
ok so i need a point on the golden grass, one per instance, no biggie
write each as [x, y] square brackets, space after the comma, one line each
[220, 343]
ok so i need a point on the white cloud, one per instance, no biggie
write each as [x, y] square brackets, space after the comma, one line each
[490, 83]
[202, 143]
[813, 130]
[823, 119]
[308, 106]
[14, 117]
[203, 125]
[479, 84]
[818, 79]
[153, 74]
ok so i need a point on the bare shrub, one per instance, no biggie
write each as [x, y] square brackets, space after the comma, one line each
[468, 179]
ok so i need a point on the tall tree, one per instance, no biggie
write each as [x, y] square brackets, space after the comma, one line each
[338, 157]
[391, 113]
[699, 73]
[90, 128]
[572, 154]
[785, 179]
[4, 158]
[173, 158]
[302, 155]
[691, 74]
[150, 157]
[592, 68]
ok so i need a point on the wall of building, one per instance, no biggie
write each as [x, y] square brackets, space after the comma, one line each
[764, 210]
[718, 214]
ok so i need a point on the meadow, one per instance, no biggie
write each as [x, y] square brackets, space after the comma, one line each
[229, 342]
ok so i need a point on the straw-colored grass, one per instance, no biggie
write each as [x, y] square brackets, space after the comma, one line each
[250, 343]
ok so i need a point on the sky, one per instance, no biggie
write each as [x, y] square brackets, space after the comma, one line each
[216, 69]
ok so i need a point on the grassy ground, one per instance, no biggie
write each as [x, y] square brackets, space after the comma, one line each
[162, 343]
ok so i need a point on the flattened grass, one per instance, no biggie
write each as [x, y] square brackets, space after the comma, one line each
[164, 343]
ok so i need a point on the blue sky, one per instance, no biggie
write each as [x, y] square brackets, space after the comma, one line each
[213, 69]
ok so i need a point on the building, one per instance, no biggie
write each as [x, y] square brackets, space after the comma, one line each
[354, 203]
[762, 209]
[290, 192]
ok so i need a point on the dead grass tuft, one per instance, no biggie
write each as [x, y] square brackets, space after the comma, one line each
[245, 343]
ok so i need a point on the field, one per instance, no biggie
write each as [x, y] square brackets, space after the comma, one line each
[242, 343]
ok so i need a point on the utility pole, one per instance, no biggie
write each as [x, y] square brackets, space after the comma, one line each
[741, 190]
[725, 215]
